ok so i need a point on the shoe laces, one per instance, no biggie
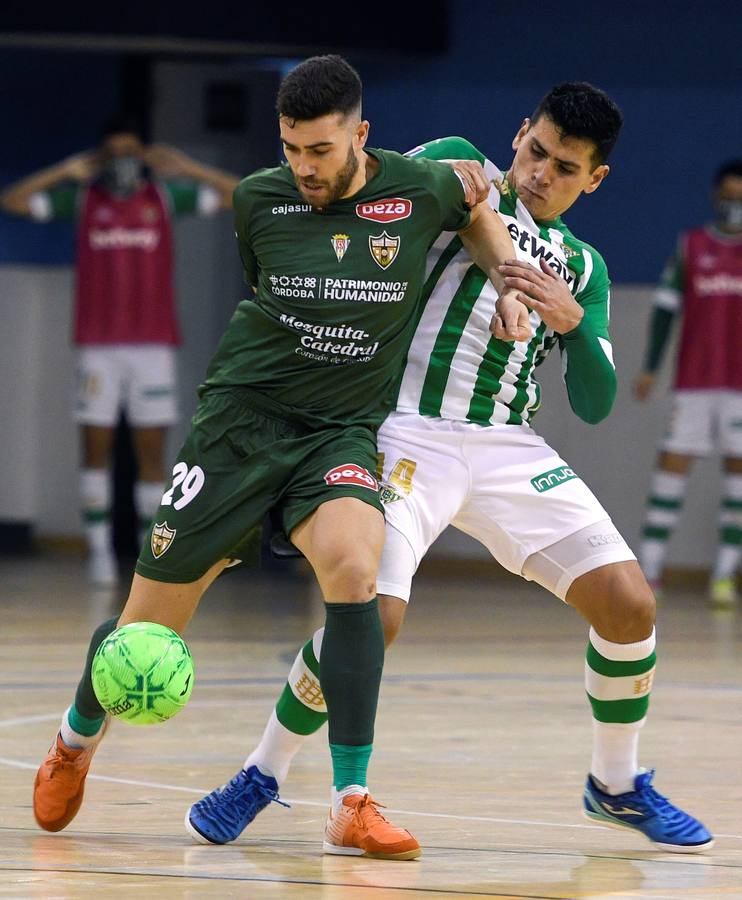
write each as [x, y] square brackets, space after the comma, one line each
[658, 803]
[366, 812]
[248, 797]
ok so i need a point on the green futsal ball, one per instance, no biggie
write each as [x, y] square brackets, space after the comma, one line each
[143, 673]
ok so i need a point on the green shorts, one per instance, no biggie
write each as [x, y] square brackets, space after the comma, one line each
[237, 464]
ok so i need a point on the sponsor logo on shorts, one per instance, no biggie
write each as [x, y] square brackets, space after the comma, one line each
[553, 478]
[602, 540]
[162, 538]
[340, 244]
[391, 209]
[384, 248]
[350, 473]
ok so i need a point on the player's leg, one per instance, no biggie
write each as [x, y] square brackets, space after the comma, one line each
[151, 408]
[539, 519]
[689, 434]
[97, 404]
[223, 814]
[589, 571]
[723, 587]
[60, 780]
[216, 495]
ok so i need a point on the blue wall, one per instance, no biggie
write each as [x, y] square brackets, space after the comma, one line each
[674, 68]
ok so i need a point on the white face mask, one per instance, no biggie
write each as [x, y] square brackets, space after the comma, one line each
[729, 214]
[122, 174]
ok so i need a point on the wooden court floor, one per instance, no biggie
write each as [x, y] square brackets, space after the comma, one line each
[482, 745]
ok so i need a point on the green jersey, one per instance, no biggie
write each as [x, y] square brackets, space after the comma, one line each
[337, 291]
[456, 369]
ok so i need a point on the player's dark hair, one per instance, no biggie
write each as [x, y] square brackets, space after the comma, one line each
[732, 168]
[319, 86]
[580, 110]
[122, 123]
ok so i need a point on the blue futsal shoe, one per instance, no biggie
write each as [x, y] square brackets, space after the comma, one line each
[222, 815]
[643, 809]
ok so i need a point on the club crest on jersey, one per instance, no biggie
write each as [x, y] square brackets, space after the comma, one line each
[350, 473]
[162, 538]
[391, 209]
[569, 252]
[340, 244]
[384, 248]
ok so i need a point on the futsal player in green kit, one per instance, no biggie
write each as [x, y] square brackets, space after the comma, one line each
[335, 245]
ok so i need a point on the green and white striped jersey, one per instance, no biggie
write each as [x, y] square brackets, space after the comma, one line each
[455, 368]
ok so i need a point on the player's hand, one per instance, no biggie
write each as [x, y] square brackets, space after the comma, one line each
[545, 292]
[642, 385]
[510, 321]
[166, 161]
[476, 183]
[82, 166]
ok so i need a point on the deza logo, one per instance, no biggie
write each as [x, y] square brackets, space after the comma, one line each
[350, 473]
[391, 209]
[548, 480]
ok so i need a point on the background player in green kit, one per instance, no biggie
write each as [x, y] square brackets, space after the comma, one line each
[459, 449]
[335, 244]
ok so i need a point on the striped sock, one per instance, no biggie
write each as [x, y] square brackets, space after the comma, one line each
[96, 499]
[300, 711]
[618, 680]
[664, 504]
[730, 528]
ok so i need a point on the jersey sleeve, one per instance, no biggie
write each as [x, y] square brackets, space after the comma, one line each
[587, 353]
[242, 202]
[668, 302]
[57, 203]
[447, 188]
[447, 148]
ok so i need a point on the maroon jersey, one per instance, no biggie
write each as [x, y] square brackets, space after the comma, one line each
[125, 269]
[710, 352]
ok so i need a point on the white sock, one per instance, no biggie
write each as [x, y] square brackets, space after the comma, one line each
[664, 504]
[96, 498]
[730, 523]
[276, 750]
[336, 798]
[616, 744]
[73, 739]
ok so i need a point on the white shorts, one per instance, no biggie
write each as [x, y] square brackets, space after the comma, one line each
[501, 484]
[704, 420]
[137, 378]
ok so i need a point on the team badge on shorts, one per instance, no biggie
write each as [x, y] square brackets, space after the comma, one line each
[350, 473]
[340, 244]
[384, 248]
[162, 538]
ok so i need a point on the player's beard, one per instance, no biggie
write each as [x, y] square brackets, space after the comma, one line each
[334, 189]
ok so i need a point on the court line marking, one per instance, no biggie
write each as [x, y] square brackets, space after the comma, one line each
[19, 764]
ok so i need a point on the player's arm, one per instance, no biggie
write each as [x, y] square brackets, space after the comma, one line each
[667, 305]
[488, 242]
[17, 198]
[168, 162]
[582, 326]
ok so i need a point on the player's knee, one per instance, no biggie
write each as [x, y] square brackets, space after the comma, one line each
[617, 601]
[350, 575]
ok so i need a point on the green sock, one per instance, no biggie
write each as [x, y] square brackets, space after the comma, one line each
[350, 675]
[349, 765]
[86, 703]
[301, 707]
[82, 724]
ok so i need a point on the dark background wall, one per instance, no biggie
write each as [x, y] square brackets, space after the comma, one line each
[675, 69]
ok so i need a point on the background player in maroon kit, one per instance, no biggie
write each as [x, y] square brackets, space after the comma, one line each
[703, 281]
[123, 196]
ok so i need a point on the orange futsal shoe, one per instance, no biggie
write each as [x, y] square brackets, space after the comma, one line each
[359, 829]
[60, 783]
